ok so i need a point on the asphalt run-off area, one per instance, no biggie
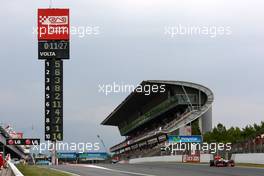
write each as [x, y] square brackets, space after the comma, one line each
[159, 169]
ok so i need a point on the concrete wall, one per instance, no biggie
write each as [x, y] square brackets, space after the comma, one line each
[11, 170]
[205, 158]
[173, 158]
[207, 121]
[255, 158]
[6, 172]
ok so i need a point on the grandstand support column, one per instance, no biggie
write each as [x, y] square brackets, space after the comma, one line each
[207, 121]
[158, 139]
[200, 123]
[200, 103]
[169, 94]
[188, 99]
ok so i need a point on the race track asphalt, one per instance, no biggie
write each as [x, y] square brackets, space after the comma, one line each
[158, 169]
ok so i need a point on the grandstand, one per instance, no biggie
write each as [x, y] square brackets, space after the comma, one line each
[184, 108]
[16, 151]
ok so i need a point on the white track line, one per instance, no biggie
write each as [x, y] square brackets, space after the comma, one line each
[249, 167]
[65, 172]
[114, 170]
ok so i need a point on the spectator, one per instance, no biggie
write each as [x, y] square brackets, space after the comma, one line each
[1, 160]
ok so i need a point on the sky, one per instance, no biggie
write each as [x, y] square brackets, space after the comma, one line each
[128, 44]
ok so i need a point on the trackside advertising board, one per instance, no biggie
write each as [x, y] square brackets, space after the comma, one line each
[185, 139]
[53, 24]
[67, 155]
[29, 141]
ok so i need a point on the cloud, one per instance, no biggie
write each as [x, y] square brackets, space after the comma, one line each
[237, 111]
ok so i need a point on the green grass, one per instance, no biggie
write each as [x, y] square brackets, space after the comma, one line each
[29, 170]
[250, 165]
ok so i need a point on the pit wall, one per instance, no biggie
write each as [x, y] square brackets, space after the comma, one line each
[254, 158]
[172, 158]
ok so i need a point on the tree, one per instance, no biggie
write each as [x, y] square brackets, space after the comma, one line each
[233, 134]
[195, 128]
[248, 132]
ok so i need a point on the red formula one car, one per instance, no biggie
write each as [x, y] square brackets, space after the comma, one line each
[220, 162]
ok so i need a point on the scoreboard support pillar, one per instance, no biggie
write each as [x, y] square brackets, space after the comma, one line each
[54, 159]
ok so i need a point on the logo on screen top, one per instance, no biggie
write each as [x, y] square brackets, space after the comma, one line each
[53, 20]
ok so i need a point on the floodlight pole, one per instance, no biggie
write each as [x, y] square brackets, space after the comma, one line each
[98, 136]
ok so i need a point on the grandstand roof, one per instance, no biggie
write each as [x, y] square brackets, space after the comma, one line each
[136, 100]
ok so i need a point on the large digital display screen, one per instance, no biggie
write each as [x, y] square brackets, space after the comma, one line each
[54, 100]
